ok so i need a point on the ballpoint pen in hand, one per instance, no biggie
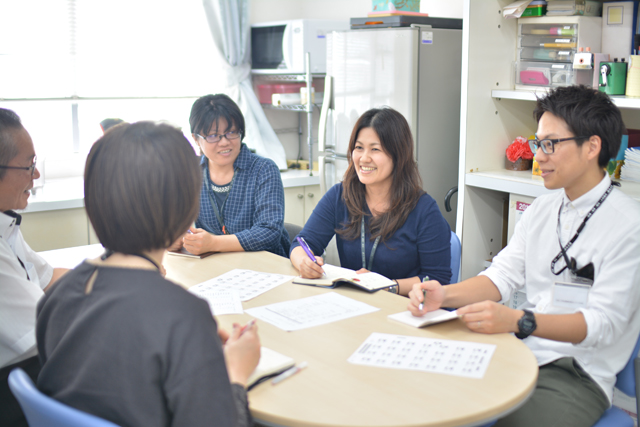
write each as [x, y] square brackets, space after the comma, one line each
[286, 374]
[424, 293]
[307, 249]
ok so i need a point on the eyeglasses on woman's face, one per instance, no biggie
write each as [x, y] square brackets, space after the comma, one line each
[215, 138]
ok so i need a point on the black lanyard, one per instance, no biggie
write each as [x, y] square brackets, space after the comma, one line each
[219, 213]
[373, 250]
[563, 250]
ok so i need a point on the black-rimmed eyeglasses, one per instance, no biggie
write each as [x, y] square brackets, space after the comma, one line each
[31, 168]
[549, 145]
[213, 138]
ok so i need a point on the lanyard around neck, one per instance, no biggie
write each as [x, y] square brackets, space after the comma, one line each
[219, 213]
[362, 247]
[563, 250]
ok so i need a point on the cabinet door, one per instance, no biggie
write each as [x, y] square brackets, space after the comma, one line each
[311, 198]
[57, 229]
[294, 201]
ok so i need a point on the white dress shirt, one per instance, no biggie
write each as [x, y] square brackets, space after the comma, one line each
[20, 289]
[611, 241]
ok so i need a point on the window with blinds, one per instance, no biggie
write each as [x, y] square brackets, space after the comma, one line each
[65, 65]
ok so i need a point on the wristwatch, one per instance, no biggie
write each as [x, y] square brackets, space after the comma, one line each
[526, 324]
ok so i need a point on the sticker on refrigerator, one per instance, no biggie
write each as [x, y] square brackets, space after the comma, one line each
[427, 37]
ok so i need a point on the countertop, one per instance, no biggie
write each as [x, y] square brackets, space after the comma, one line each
[68, 193]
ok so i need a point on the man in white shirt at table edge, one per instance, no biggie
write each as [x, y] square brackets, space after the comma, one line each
[24, 275]
[581, 317]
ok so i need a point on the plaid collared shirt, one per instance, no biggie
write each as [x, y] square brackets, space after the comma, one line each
[254, 210]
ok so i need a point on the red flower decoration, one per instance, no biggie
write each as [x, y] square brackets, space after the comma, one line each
[519, 149]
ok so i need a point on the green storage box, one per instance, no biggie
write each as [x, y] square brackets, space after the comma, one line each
[399, 5]
[535, 8]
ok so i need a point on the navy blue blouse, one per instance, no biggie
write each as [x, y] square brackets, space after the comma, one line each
[421, 247]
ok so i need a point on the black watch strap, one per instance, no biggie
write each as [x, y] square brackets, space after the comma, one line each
[526, 324]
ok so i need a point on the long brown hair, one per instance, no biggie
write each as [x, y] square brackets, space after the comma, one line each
[406, 187]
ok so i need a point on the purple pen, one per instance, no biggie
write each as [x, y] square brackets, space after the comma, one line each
[306, 248]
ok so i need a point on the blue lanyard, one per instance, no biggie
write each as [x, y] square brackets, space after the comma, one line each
[219, 213]
[373, 250]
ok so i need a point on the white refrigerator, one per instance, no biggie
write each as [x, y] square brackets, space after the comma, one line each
[415, 70]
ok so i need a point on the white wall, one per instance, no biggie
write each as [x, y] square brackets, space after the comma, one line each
[277, 10]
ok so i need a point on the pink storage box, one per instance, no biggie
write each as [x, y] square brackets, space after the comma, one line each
[266, 90]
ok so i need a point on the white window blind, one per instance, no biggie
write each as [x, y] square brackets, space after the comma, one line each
[132, 59]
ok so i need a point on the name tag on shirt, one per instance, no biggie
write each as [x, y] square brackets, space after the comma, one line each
[570, 295]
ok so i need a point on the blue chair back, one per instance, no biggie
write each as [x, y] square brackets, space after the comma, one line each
[43, 411]
[456, 251]
[626, 381]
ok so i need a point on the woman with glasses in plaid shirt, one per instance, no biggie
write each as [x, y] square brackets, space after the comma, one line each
[242, 198]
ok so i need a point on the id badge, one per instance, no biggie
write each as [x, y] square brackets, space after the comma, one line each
[571, 294]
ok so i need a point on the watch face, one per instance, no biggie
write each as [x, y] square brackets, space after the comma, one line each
[526, 324]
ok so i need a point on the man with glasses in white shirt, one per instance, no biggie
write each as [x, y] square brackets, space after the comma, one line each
[576, 253]
[24, 276]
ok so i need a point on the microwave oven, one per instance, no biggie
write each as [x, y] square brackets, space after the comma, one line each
[280, 47]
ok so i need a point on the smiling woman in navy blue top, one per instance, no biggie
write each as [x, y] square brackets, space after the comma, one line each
[383, 220]
[242, 198]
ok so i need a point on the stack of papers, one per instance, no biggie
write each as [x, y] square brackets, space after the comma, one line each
[573, 7]
[631, 169]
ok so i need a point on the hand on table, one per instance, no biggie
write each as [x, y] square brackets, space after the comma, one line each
[198, 241]
[362, 271]
[490, 317]
[242, 352]
[177, 245]
[433, 301]
[307, 268]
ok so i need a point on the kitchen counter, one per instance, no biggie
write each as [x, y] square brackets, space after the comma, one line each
[68, 193]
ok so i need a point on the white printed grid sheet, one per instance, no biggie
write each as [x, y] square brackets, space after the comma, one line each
[249, 284]
[460, 358]
[225, 301]
[310, 311]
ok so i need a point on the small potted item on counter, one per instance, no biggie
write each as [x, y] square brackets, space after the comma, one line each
[519, 155]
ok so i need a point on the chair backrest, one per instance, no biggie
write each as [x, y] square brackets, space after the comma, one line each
[43, 411]
[292, 229]
[626, 379]
[456, 251]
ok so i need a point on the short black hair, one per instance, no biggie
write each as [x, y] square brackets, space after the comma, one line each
[9, 122]
[208, 109]
[141, 186]
[586, 112]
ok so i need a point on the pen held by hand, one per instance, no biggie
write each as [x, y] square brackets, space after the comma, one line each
[289, 372]
[424, 293]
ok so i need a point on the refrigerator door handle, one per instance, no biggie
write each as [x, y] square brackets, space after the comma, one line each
[324, 113]
[322, 169]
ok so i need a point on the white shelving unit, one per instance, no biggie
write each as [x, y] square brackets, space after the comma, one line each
[306, 109]
[493, 115]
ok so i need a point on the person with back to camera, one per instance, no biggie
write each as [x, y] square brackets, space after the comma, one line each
[242, 198]
[115, 338]
[405, 236]
[24, 275]
[581, 242]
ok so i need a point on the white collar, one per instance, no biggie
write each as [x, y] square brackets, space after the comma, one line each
[584, 203]
[7, 223]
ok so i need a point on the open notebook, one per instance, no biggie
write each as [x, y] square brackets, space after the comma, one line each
[184, 252]
[335, 276]
[430, 318]
[271, 364]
